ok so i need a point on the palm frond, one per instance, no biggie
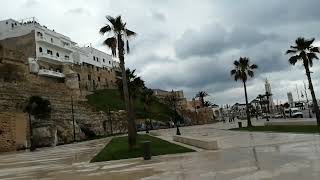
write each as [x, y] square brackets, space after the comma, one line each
[291, 51]
[128, 47]
[254, 66]
[111, 19]
[293, 60]
[315, 49]
[105, 29]
[309, 42]
[236, 63]
[233, 71]
[250, 73]
[130, 33]
[311, 56]
[112, 44]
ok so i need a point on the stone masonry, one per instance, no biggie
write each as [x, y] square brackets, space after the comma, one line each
[15, 91]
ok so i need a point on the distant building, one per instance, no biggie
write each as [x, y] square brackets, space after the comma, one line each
[290, 99]
[56, 56]
[268, 90]
[162, 94]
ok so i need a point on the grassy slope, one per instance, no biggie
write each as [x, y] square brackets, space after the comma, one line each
[111, 98]
[118, 149]
[289, 128]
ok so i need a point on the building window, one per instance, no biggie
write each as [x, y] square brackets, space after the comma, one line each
[97, 59]
[6, 22]
[92, 66]
[97, 68]
[66, 57]
[40, 49]
[57, 54]
[103, 60]
[109, 62]
[94, 58]
[49, 52]
[79, 79]
[51, 40]
[98, 78]
[89, 77]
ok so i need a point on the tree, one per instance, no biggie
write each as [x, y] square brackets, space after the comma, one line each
[172, 101]
[207, 104]
[201, 95]
[147, 99]
[242, 71]
[119, 34]
[304, 51]
[39, 108]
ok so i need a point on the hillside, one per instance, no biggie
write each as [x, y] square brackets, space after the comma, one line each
[110, 98]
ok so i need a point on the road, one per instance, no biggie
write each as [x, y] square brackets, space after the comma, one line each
[242, 156]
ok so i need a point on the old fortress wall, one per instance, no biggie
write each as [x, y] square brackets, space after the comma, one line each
[17, 84]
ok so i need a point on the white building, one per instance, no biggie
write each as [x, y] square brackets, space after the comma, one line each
[268, 90]
[52, 48]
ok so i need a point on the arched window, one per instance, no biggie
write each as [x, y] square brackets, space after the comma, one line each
[40, 49]
[57, 54]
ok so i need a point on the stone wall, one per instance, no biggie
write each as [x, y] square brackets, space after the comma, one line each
[12, 131]
[59, 128]
[94, 78]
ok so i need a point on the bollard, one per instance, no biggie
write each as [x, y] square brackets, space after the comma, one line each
[146, 150]
[240, 124]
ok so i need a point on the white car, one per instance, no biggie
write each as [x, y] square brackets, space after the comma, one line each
[295, 112]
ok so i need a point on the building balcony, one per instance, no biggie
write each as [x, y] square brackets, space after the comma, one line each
[50, 58]
[57, 44]
[50, 73]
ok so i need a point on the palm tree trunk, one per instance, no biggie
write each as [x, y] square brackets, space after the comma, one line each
[247, 104]
[131, 124]
[314, 99]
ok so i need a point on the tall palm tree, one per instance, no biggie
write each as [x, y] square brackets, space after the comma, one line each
[119, 34]
[242, 71]
[172, 100]
[147, 99]
[201, 95]
[304, 51]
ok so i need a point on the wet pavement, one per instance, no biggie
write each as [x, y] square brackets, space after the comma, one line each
[242, 155]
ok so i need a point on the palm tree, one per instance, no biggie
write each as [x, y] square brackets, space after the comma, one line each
[172, 100]
[243, 69]
[120, 34]
[201, 95]
[304, 51]
[147, 99]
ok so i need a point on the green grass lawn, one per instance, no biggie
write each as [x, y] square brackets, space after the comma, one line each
[110, 98]
[287, 129]
[118, 148]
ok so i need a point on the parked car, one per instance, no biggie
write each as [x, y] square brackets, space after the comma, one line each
[278, 115]
[265, 116]
[295, 113]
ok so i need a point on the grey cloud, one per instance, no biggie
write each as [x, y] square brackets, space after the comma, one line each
[159, 16]
[214, 39]
[30, 3]
[78, 11]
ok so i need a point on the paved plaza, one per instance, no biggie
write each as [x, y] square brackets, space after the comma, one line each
[241, 155]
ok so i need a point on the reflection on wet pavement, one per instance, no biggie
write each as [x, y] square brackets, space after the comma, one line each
[242, 156]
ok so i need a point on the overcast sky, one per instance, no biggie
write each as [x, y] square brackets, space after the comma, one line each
[190, 46]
